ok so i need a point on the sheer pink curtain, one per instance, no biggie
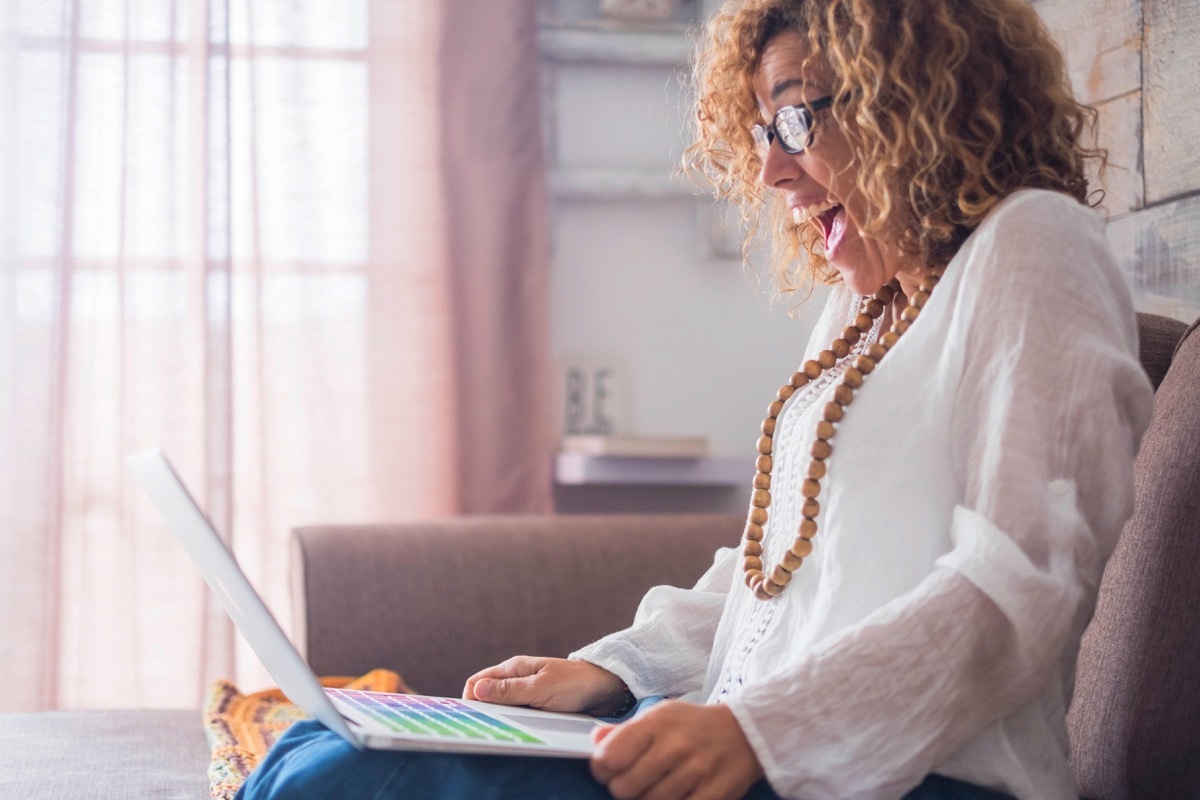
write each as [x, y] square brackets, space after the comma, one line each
[300, 245]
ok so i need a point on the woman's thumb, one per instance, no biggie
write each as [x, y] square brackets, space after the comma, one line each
[500, 690]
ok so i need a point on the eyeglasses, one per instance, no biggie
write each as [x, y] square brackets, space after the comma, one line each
[792, 125]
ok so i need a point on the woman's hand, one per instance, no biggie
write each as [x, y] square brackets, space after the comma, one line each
[555, 684]
[676, 750]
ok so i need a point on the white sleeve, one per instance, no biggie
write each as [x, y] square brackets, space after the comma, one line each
[1048, 414]
[666, 650]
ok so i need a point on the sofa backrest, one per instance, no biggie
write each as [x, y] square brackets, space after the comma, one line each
[1134, 720]
[498, 586]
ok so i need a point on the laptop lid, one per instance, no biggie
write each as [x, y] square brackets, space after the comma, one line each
[237, 597]
[377, 721]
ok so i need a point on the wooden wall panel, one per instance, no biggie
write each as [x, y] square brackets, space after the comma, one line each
[1102, 42]
[1120, 132]
[1136, 62]
[1172, 117]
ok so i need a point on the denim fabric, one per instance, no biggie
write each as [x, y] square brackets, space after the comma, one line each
[310, 762]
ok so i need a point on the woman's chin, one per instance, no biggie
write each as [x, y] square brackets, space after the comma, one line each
[863, 274]
[856, 281]
[859, 269]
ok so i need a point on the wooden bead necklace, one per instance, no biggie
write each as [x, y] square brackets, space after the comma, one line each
[767, 586]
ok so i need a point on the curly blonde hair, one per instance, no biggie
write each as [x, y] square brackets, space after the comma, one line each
[950, 106]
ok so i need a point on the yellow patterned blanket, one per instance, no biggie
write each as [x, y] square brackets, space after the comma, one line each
[242, 727]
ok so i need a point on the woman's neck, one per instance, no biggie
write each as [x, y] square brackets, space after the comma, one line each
[909, 280]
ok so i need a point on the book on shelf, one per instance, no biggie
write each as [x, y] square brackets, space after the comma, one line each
[637, 446]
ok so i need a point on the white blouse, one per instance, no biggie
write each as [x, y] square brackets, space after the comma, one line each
[977, 485]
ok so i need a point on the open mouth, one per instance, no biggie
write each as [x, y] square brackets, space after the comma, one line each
[831, 217]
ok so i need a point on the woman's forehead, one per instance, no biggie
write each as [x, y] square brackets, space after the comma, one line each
[783, 68]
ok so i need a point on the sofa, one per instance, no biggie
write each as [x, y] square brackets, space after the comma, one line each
[437, 600]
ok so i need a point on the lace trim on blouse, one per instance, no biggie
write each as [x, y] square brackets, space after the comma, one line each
[756, 619]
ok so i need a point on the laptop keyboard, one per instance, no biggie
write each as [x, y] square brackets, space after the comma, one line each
[435, 717]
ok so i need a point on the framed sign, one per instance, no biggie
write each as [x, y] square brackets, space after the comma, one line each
[593, 398]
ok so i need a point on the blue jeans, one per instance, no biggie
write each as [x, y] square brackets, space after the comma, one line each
[310, 762]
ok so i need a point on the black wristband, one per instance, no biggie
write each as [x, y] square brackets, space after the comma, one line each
[627, 703]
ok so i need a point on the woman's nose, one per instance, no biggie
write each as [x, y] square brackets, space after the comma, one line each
[778, 167]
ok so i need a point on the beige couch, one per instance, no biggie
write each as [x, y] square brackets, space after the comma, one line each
[438, 600]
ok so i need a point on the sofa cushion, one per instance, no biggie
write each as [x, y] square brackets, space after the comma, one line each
[1157, 339]
[1135, 717]
[98, 755]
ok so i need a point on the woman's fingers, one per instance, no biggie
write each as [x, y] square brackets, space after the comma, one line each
[643, 762]
[601, 732]
[619, 749]
[676, 750]
[684, 780]
[510, 691]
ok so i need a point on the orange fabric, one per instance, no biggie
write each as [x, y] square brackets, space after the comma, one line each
[242, 727]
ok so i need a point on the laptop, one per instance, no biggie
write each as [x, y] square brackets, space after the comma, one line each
[368, 720]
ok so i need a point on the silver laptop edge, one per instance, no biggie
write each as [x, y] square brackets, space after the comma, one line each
[241, 602]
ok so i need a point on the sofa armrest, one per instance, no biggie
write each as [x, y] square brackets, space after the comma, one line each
[437, 601]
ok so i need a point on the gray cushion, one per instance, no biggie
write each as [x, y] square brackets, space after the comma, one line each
[104, 755]
[1135, 717]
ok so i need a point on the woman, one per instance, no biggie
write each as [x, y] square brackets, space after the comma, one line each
[961, 437]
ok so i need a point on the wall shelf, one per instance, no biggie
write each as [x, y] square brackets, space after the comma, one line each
[608, 183]
[575, 469]
[608, 42]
